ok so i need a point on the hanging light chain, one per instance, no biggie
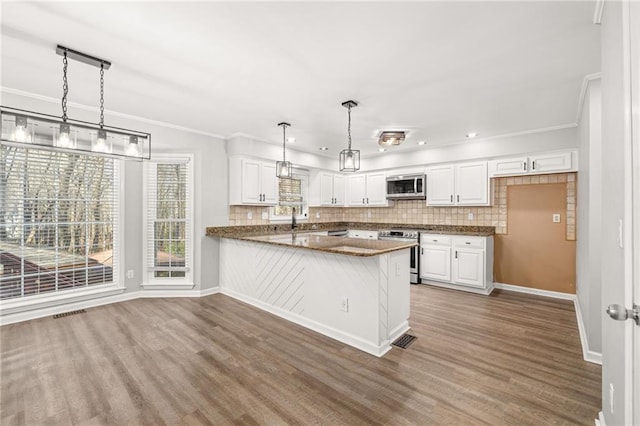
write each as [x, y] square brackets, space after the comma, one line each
[101, 95]
[349, 125]
[284, 139]
[65, 86]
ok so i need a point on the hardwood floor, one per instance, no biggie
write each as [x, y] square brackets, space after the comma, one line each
[504, 359]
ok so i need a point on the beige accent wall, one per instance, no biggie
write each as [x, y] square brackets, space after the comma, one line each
[535, 252]
[415, 211]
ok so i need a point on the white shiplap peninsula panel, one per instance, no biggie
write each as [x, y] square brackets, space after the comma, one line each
[308, 287]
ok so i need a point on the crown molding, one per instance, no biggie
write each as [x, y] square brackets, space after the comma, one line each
[583, 93]
[49, 99]
[597, 12]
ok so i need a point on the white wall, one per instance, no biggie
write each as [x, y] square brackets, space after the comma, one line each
[211, 192]
[589, 235]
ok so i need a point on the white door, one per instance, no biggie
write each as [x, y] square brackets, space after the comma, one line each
[269, 183]
[435, 263]
[376, 189]
[468, 267]
[326, 189]
[357, 190]
[339, 184]
[251, 182]
[440, 186]
[472, 184]
[620, 209]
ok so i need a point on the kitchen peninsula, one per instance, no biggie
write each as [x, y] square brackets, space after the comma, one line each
[355, 291]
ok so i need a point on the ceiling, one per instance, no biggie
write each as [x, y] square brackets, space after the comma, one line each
[436, 69]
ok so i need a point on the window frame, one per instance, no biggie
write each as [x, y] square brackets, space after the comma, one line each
[22, 305]
[149, 281]
[304, 215]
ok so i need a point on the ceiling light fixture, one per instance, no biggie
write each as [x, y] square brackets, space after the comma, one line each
[421, 142]
[284, 169]
[382, 149]
[323, 148]
[388, 138]
[291, 140]
[32, 129]
[349, 158]
[471, 135]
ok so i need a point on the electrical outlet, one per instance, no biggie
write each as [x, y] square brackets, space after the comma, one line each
[368, 213]
[556, 218]
[611, 397]
[344, 305]
[470, 216]
[317, 215]
[249, 215]
[130, 273]
[265, 215]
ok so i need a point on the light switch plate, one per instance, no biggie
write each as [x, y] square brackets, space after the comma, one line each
[556, 218]
[249, 215]
[470, 216]
[265, 215]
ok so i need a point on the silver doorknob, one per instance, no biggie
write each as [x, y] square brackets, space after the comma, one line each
[620, 313]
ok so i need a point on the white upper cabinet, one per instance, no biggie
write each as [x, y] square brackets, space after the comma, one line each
[326, 189]
[552, 162]
[367, 190]
[465, 184]
[252, 182]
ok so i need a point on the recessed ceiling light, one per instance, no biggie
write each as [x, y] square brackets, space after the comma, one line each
[382, 149]
[471, 135]
[422, 142]
[324, 148]
[291, 140]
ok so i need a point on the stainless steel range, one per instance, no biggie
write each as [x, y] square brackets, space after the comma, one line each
[406, 235]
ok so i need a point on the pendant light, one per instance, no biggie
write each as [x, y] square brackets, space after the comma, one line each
[35, 130]
[349, 158]
[284, 169]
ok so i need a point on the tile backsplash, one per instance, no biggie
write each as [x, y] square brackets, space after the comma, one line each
[415, 211]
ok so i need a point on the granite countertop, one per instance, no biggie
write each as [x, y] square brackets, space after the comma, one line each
[273, 229]
[338, 245]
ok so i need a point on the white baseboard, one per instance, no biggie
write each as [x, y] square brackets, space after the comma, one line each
[536, 291]
[587, 355]
[331, 332]
[600, 420]
[484, 291]
[99, 300]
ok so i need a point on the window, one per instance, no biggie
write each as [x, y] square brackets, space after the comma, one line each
[292, 193]
[58, 221]
[169, 187]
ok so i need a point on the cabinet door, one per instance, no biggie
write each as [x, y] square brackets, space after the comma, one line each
[472, 184]
[555, 162]
[339, 184]
[468, 267]
[435, 263]
[356, 190]
[376, 189]
[251, 192]
[326, 189]
[509, 166]
[440, 186]
[269, 183]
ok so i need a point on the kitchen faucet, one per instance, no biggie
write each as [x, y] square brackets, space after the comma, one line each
[294, 224]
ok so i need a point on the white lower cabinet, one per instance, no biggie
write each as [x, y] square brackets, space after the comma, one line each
[462, 262]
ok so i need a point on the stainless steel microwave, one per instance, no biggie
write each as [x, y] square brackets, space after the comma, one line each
[407, 187]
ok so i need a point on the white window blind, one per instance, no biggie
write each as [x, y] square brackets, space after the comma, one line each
[292, 193]
[58, 221]
[169, 218]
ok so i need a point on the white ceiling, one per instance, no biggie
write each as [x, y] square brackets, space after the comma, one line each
[436, 69]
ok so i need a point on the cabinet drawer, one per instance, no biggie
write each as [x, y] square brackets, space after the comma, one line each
[469, 242]
[435, 239]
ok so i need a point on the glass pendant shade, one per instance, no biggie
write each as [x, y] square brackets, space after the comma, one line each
[349, 160]
[284, 169]
[32, 129]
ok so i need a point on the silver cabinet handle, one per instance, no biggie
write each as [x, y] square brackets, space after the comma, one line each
[458, 198]
[534, 164]
[524, 166]
[452, 198]
[367, 200]
[422, 251]
[456, 254]
[363, 201]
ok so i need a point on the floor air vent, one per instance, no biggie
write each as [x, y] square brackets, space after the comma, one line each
[66, 314]
[404, 341]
